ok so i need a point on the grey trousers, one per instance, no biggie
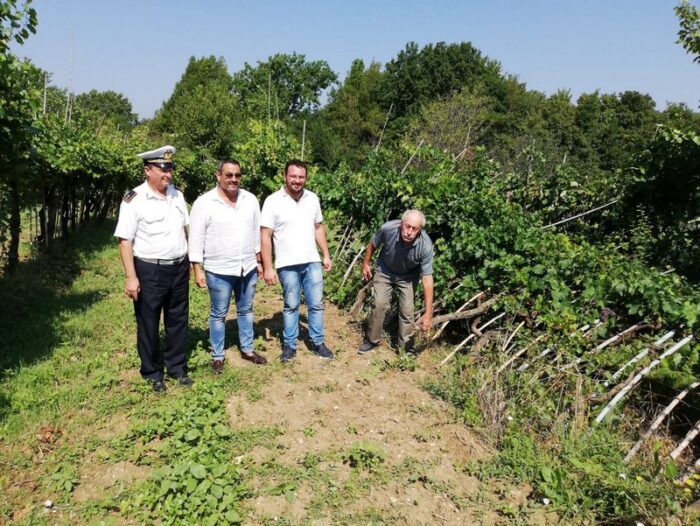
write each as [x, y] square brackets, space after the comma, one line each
[383, 287]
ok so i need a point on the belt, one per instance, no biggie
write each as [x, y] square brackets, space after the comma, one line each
[162, 261]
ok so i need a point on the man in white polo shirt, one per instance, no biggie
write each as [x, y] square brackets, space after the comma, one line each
[153, 250]
[292, 221]
[225, 240]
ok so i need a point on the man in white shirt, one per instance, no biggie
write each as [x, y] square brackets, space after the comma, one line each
[225, 252]
[292, 221]
[153, 250]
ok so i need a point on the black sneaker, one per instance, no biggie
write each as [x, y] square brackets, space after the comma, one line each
[158, 386]
[366, 347]
[288, 354]
[322, 351]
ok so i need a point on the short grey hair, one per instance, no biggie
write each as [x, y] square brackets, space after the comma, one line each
[421, 216]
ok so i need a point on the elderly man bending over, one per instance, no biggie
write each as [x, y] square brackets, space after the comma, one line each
[405, 254]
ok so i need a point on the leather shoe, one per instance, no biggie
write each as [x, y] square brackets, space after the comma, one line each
[254, 358]
[158, 386]
[217, 366]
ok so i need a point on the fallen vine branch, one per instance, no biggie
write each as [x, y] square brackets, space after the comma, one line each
[445, 324]
[484, 307]
[360, 298]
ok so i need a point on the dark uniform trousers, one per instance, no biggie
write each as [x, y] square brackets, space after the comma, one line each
[164, 288]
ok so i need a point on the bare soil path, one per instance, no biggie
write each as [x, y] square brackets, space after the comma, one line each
[411, 452]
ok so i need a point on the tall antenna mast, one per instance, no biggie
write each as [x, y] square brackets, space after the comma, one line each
[46, 81]
[70, 79]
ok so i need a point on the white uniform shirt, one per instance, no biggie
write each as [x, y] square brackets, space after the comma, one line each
[225, 239]
[154, 224]
[293, 225]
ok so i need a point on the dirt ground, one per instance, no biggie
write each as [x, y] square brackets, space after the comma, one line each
[324, 407]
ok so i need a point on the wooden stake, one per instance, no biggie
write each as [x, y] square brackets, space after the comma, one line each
[518, 354]
[687, 440]
[512, 335]
[412, 156]
[639, 356]
[628, 387]
[581, 215]
[659, 419]
[634, 328]
[352, 264]
[376, 149]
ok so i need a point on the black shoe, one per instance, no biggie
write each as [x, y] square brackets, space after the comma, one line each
[158, 386]
[288, 354]
[322, 351]
[366, 347]
[184, 381]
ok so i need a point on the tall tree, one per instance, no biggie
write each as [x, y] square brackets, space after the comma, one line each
[202, 111]
[100, 108]
[354, 115]
[283, 86]
[418, 76]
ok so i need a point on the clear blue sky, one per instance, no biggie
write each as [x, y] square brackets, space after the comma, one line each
[141, 48]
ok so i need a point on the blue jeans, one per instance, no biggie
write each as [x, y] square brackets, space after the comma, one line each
[220, 288]
[293, 278]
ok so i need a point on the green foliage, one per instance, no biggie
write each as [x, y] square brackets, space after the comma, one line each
[17, 20]
[104, 108]
[364, 454]
[264, 153]
[418, 76]
[353, 115]
[282, 86]
[689, 33]
[202, 112]
[199, 484]
[455, 123]
[665, 196]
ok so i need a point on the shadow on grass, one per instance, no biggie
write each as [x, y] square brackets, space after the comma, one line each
[35, 299]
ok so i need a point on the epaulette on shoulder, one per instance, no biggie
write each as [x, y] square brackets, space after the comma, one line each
[129, 196]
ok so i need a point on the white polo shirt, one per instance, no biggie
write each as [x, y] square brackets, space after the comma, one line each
[225, 239]
[154, 223]
[293, 225]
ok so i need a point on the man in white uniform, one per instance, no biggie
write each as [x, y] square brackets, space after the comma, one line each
[225, 240]
[153, 250]
[292, 220]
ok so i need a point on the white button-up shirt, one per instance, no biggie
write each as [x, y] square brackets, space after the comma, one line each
[293, 225]
[225, 239]
[155, 224]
